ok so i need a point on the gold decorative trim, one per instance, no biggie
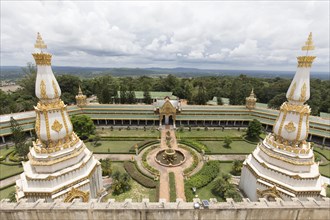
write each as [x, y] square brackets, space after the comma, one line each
[47, 125]
[305, 61]
[40, 43]
[290, 127]
[57, 126]
[299, 126]
[269, 193]
[43, 92]
[293, 88]
[43, 59]
[49, 163]
[55, 89]
[303, 93]
[63, 187]
[300, 193]
[37, 124]
[75, 193]
[282, 123]
[273, 155]
[57, 104]
[64, 121]
[288, 107]
[295, 176]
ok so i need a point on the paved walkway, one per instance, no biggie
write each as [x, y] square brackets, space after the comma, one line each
[9, 180]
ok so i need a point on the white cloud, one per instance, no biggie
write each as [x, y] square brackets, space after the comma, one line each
[142, 34]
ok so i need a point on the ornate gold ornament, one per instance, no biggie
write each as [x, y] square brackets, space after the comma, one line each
[47, 125]
[55, 89]
[293, 88]
[303, 93]
[57, 126]
[282, 123]
[40, 43]
[290, 127]
[269, 194]
[43, 59]
[64, 121]
[309, 43]
[301, 109]
[305, 61]
[167, 108]
[43, 90]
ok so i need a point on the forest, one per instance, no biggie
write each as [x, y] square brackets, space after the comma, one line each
[197, 90]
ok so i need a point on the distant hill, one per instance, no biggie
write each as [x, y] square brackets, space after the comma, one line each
[15, 72]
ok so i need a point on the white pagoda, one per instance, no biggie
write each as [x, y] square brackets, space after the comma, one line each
[60, 165]
[283, 165]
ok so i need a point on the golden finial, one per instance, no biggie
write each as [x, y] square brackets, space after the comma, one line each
[79, 91]
[309, 43]
[40, 43]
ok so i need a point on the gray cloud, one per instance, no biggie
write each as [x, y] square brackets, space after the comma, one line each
[252, 35]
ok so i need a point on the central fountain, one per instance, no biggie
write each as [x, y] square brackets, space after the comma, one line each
[170, 157]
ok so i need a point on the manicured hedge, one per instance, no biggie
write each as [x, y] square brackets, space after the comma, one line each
[6, 155]
[145, 163]
[189, 169]
[318, 151]
[172, 187]
[208, 173]
[195, 144]
[132, 170]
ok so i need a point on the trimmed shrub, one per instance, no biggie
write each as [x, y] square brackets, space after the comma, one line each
[132, 170]
[196, 145]
[188, 170]
[172, 187]
[208, 173]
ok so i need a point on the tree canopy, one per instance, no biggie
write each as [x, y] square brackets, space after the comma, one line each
[83, 126]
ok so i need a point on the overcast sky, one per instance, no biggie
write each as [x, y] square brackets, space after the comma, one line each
[214, 35]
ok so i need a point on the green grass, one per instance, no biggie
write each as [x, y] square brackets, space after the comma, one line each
[172, 187]
[325, 152]
[118, 166]
[4, 151]
[235, 147]
[113, 146]
[128, 133]
[325, 170]
[328, 191]
[6, 171]
[205, 192]
[5, 192]
[137, 193]
[225, 167]
[210, 133]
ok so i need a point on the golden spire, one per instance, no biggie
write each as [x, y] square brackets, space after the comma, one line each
[40, 43]
[309, 43]
[79, 91]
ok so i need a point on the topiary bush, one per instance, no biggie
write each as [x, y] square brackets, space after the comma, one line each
[132, 170]
[208, 173]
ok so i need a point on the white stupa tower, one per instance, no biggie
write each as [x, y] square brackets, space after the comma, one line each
[60, 165]
[282, 165]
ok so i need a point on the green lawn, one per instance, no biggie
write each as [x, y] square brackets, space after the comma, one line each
[111, 146]
[225, 167]
[128, 133]
[137, 193]
[235, 147]
[325, 170]
[118, 166]
[210, 133]
[4, 151]
[6, 171]
[5, 192]
[325, 152]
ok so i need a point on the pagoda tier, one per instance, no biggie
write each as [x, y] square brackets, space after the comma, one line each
[283, 165]
[59, 165]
